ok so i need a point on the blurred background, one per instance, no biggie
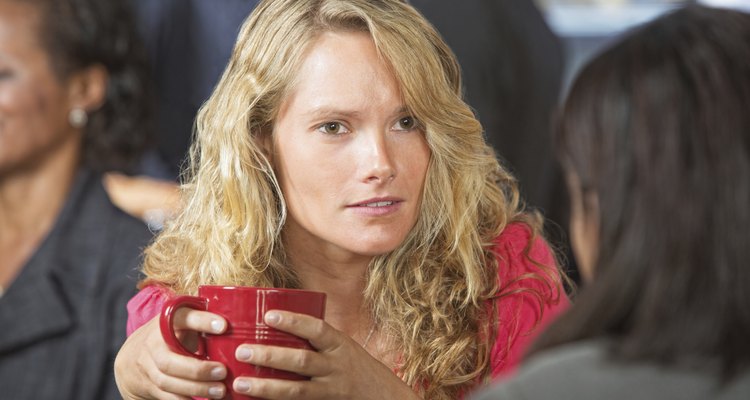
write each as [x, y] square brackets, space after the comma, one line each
[585, 26]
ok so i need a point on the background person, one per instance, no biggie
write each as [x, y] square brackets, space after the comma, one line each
[329, 159]
[655, 136]
[72, 104]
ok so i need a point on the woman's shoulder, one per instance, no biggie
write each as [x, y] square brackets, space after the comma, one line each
[145, 305]
[530, 294]
[543, 372]
[585, 370]
[515, 233]
[520, 252]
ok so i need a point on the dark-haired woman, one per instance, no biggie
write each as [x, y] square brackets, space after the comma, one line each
[71, 106]
[655, 135]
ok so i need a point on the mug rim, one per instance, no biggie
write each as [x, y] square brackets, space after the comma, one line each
[257, 288]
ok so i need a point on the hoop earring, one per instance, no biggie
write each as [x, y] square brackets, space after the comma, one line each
[78, 118]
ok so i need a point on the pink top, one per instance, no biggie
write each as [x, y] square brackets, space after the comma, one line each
[520, 317]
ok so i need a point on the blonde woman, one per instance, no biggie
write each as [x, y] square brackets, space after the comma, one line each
[337, 155]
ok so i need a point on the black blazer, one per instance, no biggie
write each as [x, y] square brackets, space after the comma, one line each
[63, 319]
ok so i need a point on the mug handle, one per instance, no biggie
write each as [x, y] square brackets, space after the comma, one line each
[166, 323]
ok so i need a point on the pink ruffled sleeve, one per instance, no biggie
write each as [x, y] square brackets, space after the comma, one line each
[526, 304]
[145, 305]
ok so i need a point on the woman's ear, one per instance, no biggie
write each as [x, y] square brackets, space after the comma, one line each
[584, 224]
[265, 141]
[591, 220]
[87, 88]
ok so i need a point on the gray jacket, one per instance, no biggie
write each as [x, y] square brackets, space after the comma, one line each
[63, 319]
[582, 371]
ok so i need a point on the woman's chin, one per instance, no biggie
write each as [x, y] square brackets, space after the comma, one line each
[376, 249]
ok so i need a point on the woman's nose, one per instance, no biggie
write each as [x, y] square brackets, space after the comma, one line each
[379, 166]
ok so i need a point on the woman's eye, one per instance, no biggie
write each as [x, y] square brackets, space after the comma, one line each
[332, 128]
[405, 124]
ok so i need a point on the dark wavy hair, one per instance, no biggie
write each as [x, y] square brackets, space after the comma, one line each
[81, 33]
[658, 126]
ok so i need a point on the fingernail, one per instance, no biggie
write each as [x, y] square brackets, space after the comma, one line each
[216, 392]
[241, 386]
[244, 353]
[217, 325]
[218, 373]
[272, 318]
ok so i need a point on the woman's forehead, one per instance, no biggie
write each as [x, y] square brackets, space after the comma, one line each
[343, 71]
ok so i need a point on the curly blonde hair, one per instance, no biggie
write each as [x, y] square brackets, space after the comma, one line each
[429, 296]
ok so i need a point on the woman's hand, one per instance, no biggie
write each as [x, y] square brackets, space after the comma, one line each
[340, 369]
[145, 368]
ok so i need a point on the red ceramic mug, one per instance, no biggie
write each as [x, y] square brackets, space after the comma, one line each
[243, 308]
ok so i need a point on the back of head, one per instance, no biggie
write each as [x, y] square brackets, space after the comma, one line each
[82, 33]
[658, 127]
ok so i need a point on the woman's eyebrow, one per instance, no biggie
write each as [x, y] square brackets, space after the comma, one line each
[400, 110]
[326, 111]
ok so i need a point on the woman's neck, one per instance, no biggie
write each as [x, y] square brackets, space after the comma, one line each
[30, 200]
[343, 279]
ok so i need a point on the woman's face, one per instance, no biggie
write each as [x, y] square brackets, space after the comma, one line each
[33, 103]
[350, 159]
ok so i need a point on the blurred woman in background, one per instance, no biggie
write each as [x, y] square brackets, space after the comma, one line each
[655, 136]
[72, 104]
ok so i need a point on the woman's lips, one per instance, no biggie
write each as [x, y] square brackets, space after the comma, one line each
[376, 207]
